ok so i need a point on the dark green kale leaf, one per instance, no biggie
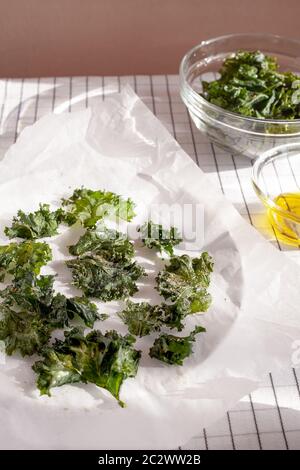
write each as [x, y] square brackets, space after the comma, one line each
[56, 369]
[251, 85]
[38, 224]
[155, 236]
[22, 331]
[104, 279]
[140, 318]
[30, 310]
[19, 259]
[174, 349]
[88, 207]
[185, 280]
[110, 244]
[105, 360]
[143, 318]
[84, 308]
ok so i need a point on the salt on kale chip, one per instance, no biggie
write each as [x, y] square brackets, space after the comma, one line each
[252, 85]
[185, 281]
[103, 279]
[174, 349]
[155, 236]
[102, 359]
[110, 244]
[143, 318]
[18, 259]
[30, 310]
[88, 207]
[38, 224]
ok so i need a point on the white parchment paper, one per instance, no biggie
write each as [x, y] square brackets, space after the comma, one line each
[254, 319]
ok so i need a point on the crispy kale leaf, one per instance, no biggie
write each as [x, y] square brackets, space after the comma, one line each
[63, 309]
[19, 259]
[88, 207]
[38, 224]
[104, 279]
[110, 244]
[85, 309]
[251, 85]
[55, 369]
[105, 360]
[143, 318]
[30, 310]
[22, 330]
[155, 236]
[174, 349]
[185, 280]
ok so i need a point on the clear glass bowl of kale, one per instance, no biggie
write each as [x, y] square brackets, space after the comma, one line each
[243, 91]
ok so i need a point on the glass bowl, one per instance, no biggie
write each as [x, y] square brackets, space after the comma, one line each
[275, 177]
[233, 132]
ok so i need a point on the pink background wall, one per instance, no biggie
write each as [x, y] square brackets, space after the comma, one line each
[80, 37]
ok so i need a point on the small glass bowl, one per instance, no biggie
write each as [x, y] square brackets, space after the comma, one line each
[276, 180]
[233, 132]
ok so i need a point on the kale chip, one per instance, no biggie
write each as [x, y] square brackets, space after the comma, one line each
[103, 359]
[143, 318]
[63, 309]
[19, 259]
[88, 207]
[155, 236]
[22, 330]
[174, 349]
[30, 310]
[251, 85]
[38, 224]
[104, 279]
[185, 280]
[110, 244]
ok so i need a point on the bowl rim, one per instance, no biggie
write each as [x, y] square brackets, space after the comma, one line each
[184, 83]
[261, 160]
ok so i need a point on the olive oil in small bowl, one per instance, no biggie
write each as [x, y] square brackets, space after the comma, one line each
[276, 180]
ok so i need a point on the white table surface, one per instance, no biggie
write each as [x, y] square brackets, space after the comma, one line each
[270, 417]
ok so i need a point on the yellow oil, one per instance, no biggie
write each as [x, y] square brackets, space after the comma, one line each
[287, 226]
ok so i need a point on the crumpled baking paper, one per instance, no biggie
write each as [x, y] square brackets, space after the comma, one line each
[120, 146]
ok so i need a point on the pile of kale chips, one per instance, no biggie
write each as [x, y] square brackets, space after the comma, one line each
[103, 268]
[251, 84]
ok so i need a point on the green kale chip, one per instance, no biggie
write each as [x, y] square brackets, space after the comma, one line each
[30, 311]
[174, 349]
[38, 224]
[22, 330]
[185, 280]
[143, 318]
[103, 359]
[63, 309]
[19, 259]
[85, 309]
[30, 292]
[251, 85]
[110, 244]
[155, 236]
[88, 207]
[104, 279]
[56, 369]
